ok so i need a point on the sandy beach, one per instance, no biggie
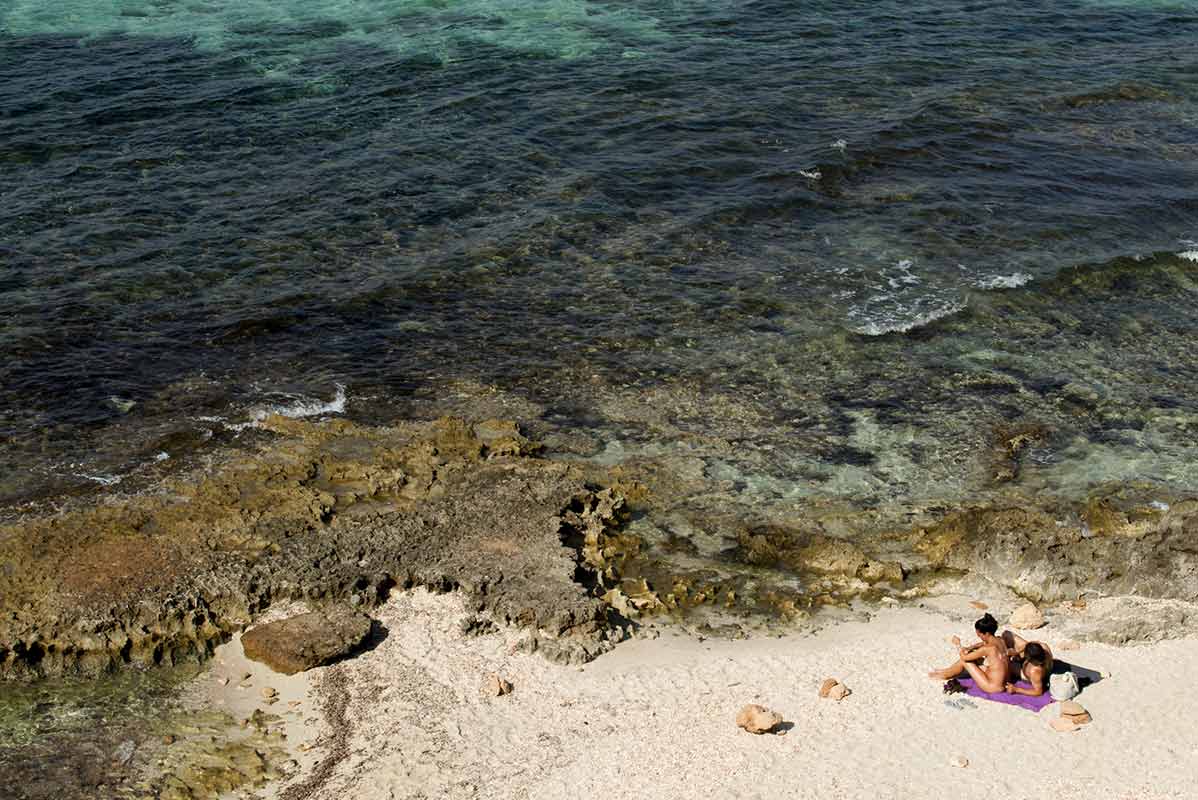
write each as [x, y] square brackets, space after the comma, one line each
[655, 717]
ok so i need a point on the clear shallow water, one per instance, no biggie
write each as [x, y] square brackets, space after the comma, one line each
[208, 207]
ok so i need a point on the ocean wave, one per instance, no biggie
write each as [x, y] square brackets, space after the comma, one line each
[296, 408]
[1189, 255]
[103, 480]
[1012, 281]
[881, 327]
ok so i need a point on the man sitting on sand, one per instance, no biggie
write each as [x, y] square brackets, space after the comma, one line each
[993, 674]
[1030, 661]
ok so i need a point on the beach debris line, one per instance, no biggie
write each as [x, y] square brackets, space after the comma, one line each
[1027, 617]
[758, 719]
[305, 641]
[833, 689]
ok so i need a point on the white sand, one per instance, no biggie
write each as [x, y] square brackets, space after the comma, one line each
[655, 718]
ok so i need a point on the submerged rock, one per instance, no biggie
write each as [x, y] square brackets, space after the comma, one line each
[305, 641]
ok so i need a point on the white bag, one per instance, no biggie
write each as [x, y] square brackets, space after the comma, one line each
[1063, 686]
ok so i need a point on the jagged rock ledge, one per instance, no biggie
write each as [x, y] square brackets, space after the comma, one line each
[324, 511]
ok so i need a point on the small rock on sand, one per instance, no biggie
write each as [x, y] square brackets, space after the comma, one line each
[979, 605]
[495, 686]
[268, 692]
[1069, 644]
[827, 686]
[758, 719]
[839, 692]
[959, 761]
[1027, 617]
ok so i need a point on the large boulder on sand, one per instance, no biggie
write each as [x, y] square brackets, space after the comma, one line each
[758, 719]
[308, 640]
[1027, 617]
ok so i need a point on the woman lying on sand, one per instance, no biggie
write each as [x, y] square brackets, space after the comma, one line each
[1005, 661]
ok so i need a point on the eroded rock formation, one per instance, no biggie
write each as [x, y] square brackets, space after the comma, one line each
[323, 511]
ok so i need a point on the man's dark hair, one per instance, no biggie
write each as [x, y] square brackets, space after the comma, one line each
[1035, 653]
[987, 624]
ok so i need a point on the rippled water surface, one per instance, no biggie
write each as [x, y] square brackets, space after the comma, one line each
[832, 212]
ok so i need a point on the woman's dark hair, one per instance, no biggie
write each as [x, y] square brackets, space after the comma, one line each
[987, 624]
[1034, 653]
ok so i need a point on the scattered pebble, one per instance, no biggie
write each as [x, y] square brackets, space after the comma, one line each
[223, 681]
[268, 692]
[758, 719]
[495, 686]
[827, 686]
[959, 761]
[1069, 644]
[979, 605]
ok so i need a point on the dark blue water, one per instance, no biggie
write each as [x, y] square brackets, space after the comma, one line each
[208, 207]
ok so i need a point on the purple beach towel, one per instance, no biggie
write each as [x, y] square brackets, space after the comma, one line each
[1021, 700]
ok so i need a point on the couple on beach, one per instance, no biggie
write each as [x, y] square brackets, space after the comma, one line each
[998, 663]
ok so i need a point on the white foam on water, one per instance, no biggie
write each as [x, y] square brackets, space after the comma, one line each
[560, 28]
[1159, 505]
[1189, 255]
[812, 175]
[307, 407]
[881, 327]
[296, 408]
[1012, 281]
[904, 276]
[103, 480]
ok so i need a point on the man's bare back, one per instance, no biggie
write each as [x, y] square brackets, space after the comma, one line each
[1030, 661]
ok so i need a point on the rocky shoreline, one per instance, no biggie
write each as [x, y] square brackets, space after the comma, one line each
[325, 512]
[337, 512]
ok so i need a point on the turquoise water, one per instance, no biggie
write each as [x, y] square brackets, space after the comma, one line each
[285, 33]
[215, 208]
